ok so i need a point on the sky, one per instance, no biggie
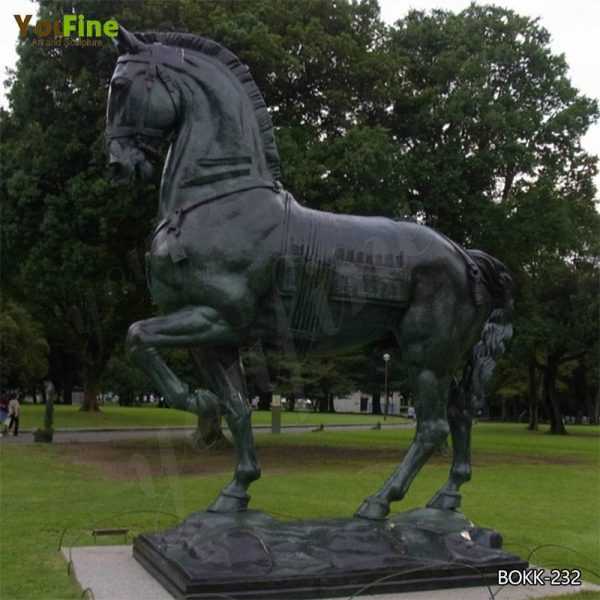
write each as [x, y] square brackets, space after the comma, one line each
[573, 25]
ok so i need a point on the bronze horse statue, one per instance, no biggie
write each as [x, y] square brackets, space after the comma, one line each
[235, 260]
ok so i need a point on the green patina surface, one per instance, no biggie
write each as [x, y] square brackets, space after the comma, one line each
[236, 261]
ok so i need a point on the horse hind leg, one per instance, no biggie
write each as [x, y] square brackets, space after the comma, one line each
[430, 389]
[460, 419]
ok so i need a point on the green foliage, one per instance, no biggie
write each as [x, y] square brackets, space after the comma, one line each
[560, 313]
[484, 113]
[75, 240]
[123, 378]
[490, 129]
[23, 347]
[315, 377]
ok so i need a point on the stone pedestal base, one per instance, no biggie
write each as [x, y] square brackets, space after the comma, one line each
[252, 556]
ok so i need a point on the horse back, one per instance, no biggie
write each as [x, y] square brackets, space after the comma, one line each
[334, 269]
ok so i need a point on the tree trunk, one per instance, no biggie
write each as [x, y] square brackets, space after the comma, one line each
[127, 398]
[533, 397]
[49, 412]
[557, 425]
[67, 387]
[330, 403]
[209, 435]
[264, 400]
[376, 408]
[91, 389]
[582, 392]
[291, 403]
[596, 417]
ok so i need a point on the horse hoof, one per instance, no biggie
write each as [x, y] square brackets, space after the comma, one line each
[226, 503]
[445, 501]
[374, 509]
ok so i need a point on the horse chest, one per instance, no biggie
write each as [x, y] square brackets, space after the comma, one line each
[200, 278]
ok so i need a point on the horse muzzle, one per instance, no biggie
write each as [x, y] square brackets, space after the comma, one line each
[126, 161]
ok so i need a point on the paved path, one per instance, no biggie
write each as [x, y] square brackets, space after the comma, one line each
[69, 436]
[129, 581]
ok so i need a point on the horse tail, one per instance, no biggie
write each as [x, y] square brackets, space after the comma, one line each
[497, 330]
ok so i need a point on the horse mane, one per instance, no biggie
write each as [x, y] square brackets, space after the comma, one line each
[242, 73]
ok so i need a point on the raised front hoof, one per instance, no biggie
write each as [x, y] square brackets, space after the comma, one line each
[227, 503]
[445, 501]
[373, 509]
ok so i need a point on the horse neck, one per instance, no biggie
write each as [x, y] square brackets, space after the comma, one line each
[216, 147]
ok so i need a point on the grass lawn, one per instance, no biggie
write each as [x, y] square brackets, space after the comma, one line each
[505, 438]
[535, 488]
[113, 417]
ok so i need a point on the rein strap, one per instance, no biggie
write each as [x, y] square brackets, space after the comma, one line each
[174, 221]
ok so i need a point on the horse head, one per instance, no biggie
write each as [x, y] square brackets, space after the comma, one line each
[199, 91]
[142, 107]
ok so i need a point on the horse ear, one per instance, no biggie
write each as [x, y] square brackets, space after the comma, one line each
[126, 42]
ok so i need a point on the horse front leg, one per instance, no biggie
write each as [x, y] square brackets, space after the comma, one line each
[432, 429]
[178, 329]
[203, 326]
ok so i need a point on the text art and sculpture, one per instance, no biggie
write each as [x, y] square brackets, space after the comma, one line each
[234, 261]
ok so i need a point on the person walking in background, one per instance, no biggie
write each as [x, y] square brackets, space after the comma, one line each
[3, 413]
[14, 412]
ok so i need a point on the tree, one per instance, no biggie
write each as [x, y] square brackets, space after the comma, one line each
[82, 274]
[23, 347]
[76, 238]
[483, 110]
[490, 130]
[123, 378]
[331, 377]
[467, 121]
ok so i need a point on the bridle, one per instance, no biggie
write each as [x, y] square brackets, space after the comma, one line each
[155, 55]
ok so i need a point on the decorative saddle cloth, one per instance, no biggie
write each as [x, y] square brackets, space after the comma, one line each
[328, 259]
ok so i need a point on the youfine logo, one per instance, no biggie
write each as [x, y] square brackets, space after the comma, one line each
[77, 25]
